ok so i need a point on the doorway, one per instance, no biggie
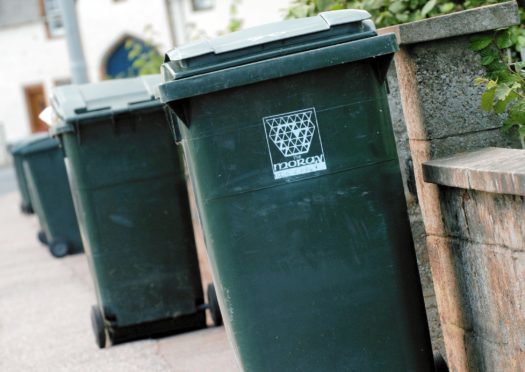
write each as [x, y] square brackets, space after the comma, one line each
[36, 103]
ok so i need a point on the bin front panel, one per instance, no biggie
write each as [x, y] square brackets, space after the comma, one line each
[133, 208]
[21, 180]
[315, 266]
[241, 121]
[51, 196]
[17, 151]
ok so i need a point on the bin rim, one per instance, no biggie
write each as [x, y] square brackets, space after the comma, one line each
[38, 145]
[269, 41]
[69, 124]
[85, 103]
[273, 68]
[267, 33]
[15, 147]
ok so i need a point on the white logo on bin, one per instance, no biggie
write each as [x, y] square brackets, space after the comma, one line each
[296, 146]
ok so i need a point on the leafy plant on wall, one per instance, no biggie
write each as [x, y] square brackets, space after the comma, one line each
[503, 82]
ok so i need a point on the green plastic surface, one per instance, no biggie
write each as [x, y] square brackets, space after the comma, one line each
[80, 104]
[50, 193]
[268, 41]
[15, 149]
[299, 191]
[133, 210]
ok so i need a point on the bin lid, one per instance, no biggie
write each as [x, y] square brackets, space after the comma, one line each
[270, 40]
[76, 103]
[271, 51]
[36, 144]
[14, 147]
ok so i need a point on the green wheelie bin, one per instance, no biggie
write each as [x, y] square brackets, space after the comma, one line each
[14, 149]
[288, 140]
[50, 195]
[133, 209]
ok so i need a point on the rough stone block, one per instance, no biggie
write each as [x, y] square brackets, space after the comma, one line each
[434, 326]
[443, 147]
[401, 137]
[450, 102]
[519, 294]
[487, 356]
[428, 194]
[457, 357]
[452, 201]
[446, 271]
[491, 169]
[470, 21]
[407, 86]
[436, 69]
[480, 295]
[416, 221]
[486, 290]
[495, 219]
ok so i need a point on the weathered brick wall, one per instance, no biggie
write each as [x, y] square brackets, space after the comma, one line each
[435, 110]
[480, 258]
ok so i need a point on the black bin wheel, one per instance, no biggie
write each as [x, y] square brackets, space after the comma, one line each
[42, 238]
[26, 208]
[59, 248]
[440, 365]
[214, 305]
[97, 323]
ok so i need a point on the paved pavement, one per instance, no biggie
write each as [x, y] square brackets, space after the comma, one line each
[44, 312]
[7, 180]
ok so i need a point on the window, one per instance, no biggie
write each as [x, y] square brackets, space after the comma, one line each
[61, 81]
[130, 56]
[53, 16]
[203, 4]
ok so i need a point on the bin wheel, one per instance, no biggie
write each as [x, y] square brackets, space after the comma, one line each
[42, 238]
[440, 365]
[97, 323]
[26, 208]
[59, 248]
[213, 304]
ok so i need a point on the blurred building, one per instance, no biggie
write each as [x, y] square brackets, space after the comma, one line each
[34, 55]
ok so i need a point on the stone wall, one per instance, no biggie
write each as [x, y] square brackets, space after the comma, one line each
[480, 258]
[435, 111]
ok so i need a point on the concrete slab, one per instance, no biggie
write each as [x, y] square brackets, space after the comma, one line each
[7, 180]
[44, 315]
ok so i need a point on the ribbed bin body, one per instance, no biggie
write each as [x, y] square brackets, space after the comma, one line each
[300, 195]
[132, 204]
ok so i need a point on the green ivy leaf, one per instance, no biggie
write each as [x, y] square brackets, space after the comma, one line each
[519, 65]
[480, 80]
[402, 17]
[487, 60]
[502, 91]
[447, 7]
[480, 42]
[324, 4]
[487, 99]
[397, 7]
[428, 7]
[491, 84]
[413, 4]
[501, 106]
[503, 40]
[517, 112]
[507, 125]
